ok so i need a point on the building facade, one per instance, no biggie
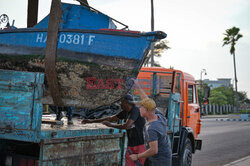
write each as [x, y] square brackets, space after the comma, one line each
[217, 83]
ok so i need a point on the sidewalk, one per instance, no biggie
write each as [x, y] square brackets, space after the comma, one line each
[241, 162]
[213, 116]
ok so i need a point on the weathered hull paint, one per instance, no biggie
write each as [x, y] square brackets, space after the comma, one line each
[20, 105]
[105, 56]
[98, 42]
[23, 137]
[103, 150]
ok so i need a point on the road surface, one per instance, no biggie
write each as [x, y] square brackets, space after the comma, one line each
[223, 142]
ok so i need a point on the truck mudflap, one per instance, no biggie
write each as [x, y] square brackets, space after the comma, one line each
[198, 144]
[187, 132]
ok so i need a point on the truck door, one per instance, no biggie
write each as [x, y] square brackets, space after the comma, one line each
[193, 112]
[20, 105]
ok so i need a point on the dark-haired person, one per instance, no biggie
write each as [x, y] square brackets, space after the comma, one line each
[134, 125]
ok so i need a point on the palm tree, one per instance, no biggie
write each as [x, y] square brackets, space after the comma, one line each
[231, 37]
[152, 29]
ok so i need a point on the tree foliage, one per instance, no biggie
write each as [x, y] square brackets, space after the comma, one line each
[225, 95]
[159, 48]
[228, 95]
[218, 97]
[231, 36]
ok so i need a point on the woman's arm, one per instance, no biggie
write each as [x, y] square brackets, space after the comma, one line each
[109, 119]
[141, 92]
[126, 125]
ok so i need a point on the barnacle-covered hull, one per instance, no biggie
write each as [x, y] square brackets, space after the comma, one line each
[92, 65]
[92, 71]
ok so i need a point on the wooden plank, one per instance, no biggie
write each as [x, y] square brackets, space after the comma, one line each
[53, 122]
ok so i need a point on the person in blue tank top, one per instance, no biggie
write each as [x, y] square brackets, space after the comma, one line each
[158, 151]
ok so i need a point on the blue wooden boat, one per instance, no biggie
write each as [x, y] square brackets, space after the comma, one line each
[93, 60]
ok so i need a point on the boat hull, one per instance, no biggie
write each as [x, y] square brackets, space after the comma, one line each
[93, 66]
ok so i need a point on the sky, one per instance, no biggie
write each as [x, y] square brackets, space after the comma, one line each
[194, 27]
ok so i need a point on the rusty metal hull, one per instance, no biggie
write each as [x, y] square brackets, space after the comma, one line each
[103, 150]
[99, 150]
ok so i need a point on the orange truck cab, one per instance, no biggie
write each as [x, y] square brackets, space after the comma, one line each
[175, 93]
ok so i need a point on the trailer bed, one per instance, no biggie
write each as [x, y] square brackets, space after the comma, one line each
[52, 131]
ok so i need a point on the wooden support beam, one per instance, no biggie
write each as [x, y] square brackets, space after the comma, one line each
[32, 13]
[51, 51]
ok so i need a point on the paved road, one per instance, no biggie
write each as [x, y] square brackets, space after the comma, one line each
[223, 142]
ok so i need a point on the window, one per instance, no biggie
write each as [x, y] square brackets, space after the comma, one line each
[165, 84]
[190, 94]
[195, 100]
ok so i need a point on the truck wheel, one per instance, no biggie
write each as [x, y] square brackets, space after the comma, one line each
[187, 154]
[185, 158]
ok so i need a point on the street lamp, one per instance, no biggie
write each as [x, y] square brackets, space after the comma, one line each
[205, 72]
[200, 94]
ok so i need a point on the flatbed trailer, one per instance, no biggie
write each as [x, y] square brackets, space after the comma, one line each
[25, 140]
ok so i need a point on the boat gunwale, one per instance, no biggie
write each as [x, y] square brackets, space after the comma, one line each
[105, 32]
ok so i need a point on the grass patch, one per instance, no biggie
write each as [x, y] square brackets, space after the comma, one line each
[245, 111]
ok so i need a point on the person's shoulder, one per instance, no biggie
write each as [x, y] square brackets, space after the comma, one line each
[153, 127]
[154, 124]
[160, 121]
[135, 108]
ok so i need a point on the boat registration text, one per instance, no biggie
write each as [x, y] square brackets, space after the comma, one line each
[68, 39]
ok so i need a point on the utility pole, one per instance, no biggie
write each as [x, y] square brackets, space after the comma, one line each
[152, 29]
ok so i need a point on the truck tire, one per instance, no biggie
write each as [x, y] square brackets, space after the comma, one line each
[185, 158]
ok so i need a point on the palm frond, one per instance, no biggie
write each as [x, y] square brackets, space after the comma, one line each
[225, 43]
[226, 39]
[238, 37]
[231, 36]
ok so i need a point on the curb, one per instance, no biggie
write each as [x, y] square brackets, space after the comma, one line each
[240, 162]
[237, 120]
[213, 117]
